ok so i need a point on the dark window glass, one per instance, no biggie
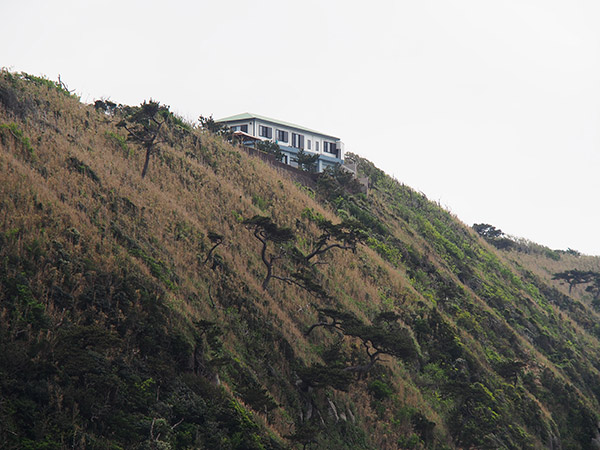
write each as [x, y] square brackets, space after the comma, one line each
[297, 140]
[244, 128]
[265, 131]
[329, 147]
[282, 135]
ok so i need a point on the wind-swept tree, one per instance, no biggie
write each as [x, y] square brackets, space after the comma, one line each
[270, 235]
[594, 289]
[494, 236]
[145, 125]
[345, 235]
[574, 277]
[384, 337]
[216, 239]
[488, 231]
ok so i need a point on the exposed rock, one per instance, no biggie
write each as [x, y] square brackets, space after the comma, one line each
[333, 410]
[350, 414]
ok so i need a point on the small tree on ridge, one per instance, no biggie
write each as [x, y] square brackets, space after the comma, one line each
[145, 126]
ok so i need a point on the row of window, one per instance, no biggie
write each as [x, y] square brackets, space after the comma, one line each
[283, 136]
[297, 139]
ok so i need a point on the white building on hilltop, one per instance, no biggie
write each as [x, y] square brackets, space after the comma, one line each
[290, 138]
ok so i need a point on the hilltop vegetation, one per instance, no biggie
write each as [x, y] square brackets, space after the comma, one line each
[214, 303]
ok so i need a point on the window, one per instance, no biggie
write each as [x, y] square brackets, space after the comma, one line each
[282, 135]
[317, 146]
[308, 144]
[266, 132]
[329, 147]
[243, 128]
[297, 141]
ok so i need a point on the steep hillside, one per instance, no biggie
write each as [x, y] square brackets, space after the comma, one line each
[546, 263]
[215, 303]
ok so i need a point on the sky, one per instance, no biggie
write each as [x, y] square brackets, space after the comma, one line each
[491, 108]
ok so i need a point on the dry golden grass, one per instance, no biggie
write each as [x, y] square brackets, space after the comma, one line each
[190, 190]
[200, 185]
[546, 267]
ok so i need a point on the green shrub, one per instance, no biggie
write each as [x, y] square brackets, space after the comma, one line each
[120, 142]
[14, 130]
[260, 202]
[380, 390]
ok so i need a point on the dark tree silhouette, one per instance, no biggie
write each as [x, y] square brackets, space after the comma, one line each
[345, 236]
[220, 129]
[107, 107]
[305, 161]
[487, 231]
[494, 236]
[335, 181]
[266, 231]
[270, 147]
[145, 126]
[384, 337]
[216, 240]
[574, 277]
[594, 289]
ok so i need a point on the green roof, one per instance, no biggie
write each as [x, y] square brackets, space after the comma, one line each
[247, 116]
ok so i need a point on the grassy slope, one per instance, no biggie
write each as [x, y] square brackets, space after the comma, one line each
[114, 331]
[545, 263]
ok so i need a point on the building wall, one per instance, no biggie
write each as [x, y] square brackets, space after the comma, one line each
[317, 141]
[326, 159]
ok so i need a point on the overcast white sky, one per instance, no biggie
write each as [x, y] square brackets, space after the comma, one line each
[491, 108]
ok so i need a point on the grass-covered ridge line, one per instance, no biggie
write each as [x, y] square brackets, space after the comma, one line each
[135, 313]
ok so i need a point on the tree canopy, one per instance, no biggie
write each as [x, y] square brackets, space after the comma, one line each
[145, 126]
[306, 161]
[209, 124]
[270, 147]
[345, 235]
[384, 337]
[487, 231]
[575, 277]
[266, 231]
[494, 236]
